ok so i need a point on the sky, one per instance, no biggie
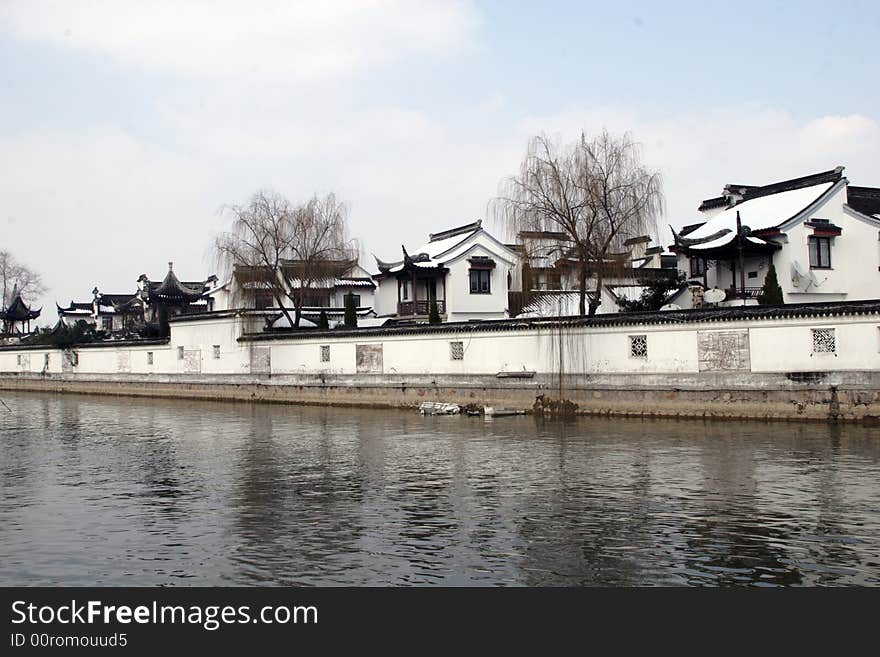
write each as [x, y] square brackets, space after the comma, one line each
[127, 127]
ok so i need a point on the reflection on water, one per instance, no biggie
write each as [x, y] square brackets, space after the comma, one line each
[125, 492]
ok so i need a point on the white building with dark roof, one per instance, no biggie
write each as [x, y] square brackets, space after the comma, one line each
[466, 270]
[822, 236]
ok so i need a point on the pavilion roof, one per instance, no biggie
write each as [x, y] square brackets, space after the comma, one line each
[18, 310]
[172, 291]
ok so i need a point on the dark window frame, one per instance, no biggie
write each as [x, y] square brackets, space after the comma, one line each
[480, 281]
[700, 267]
[815, 249]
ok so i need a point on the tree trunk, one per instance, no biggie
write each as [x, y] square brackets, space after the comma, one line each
[280, 301]
[297, 308]
[582, 287]
[597, 298]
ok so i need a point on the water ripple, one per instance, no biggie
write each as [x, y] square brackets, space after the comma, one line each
[150, 492]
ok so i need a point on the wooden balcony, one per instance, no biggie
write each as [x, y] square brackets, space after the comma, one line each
[421, 307]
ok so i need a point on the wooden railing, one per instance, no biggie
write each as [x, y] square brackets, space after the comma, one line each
[408, 308]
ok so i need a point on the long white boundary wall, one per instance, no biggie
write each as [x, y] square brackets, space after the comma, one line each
[211, 346]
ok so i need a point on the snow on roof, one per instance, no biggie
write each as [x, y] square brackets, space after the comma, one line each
[372, 322]
[353, 282]
[759, 213]
[553, 304]
[628, 292]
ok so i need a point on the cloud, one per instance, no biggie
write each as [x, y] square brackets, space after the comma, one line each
[101, 208]
[104, 206]
[700, 151]
[273, 41]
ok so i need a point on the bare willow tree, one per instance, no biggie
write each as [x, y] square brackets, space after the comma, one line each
[283, 249]
[595, 191]
[14, 275]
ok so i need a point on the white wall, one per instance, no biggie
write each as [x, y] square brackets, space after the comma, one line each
[774, 346]
[461, 304]
[855, 259]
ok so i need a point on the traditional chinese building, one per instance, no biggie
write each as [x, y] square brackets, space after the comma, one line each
[820, 234]
[465, 270]
[16, 317]
[171, 297]
[110, 313]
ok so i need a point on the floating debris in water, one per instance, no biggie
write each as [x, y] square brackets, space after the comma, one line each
[439, 408]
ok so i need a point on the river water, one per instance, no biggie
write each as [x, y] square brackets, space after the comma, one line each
[104, 491]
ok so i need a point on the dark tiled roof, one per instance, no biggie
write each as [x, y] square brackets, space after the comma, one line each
[171, 290]
[863, 199]
[74, 306]
[673, 317]
[452, 232]
[116, 299]
[747, 192]
[690, 228]
[716, 202]
[544, 234]
[17, 310]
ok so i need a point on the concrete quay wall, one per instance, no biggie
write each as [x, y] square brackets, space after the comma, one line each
[835, 396]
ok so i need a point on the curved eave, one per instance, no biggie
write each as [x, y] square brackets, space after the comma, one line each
[729, 250]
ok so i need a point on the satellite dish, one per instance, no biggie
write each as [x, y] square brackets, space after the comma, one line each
[671, 306]
[714, 295]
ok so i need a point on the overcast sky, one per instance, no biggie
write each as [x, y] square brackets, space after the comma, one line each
[126, 126]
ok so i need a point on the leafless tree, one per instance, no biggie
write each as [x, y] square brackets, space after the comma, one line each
[285, 249]
[595, 191]
[14, 274]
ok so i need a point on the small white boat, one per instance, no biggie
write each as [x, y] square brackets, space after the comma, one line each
[498, 411]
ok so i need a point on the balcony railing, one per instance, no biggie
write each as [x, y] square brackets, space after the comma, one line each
[747, 293]
[410, 308]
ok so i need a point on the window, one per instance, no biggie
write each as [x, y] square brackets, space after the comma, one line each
[823, 341]
[698, 266]
[752, 274]
[456, 350]
[263, 300]
[480, 281]
[357, 300]
[404, 290]
[107, 323]
[149, 358]
[216, 352]
[325, 353]
[638, 346]
[180, 353]
[18, 359]
[820, 252]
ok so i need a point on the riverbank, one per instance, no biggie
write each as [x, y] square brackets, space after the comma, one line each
[826, 396]
[796, 362]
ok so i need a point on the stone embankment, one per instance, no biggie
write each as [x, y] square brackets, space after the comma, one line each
[841, 396]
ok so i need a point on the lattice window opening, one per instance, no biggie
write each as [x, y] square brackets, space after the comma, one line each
[456, 350]
[149, 358]
[216, 351]
[325, 353]
[824, 341]
[180, 353]
[638, 346]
